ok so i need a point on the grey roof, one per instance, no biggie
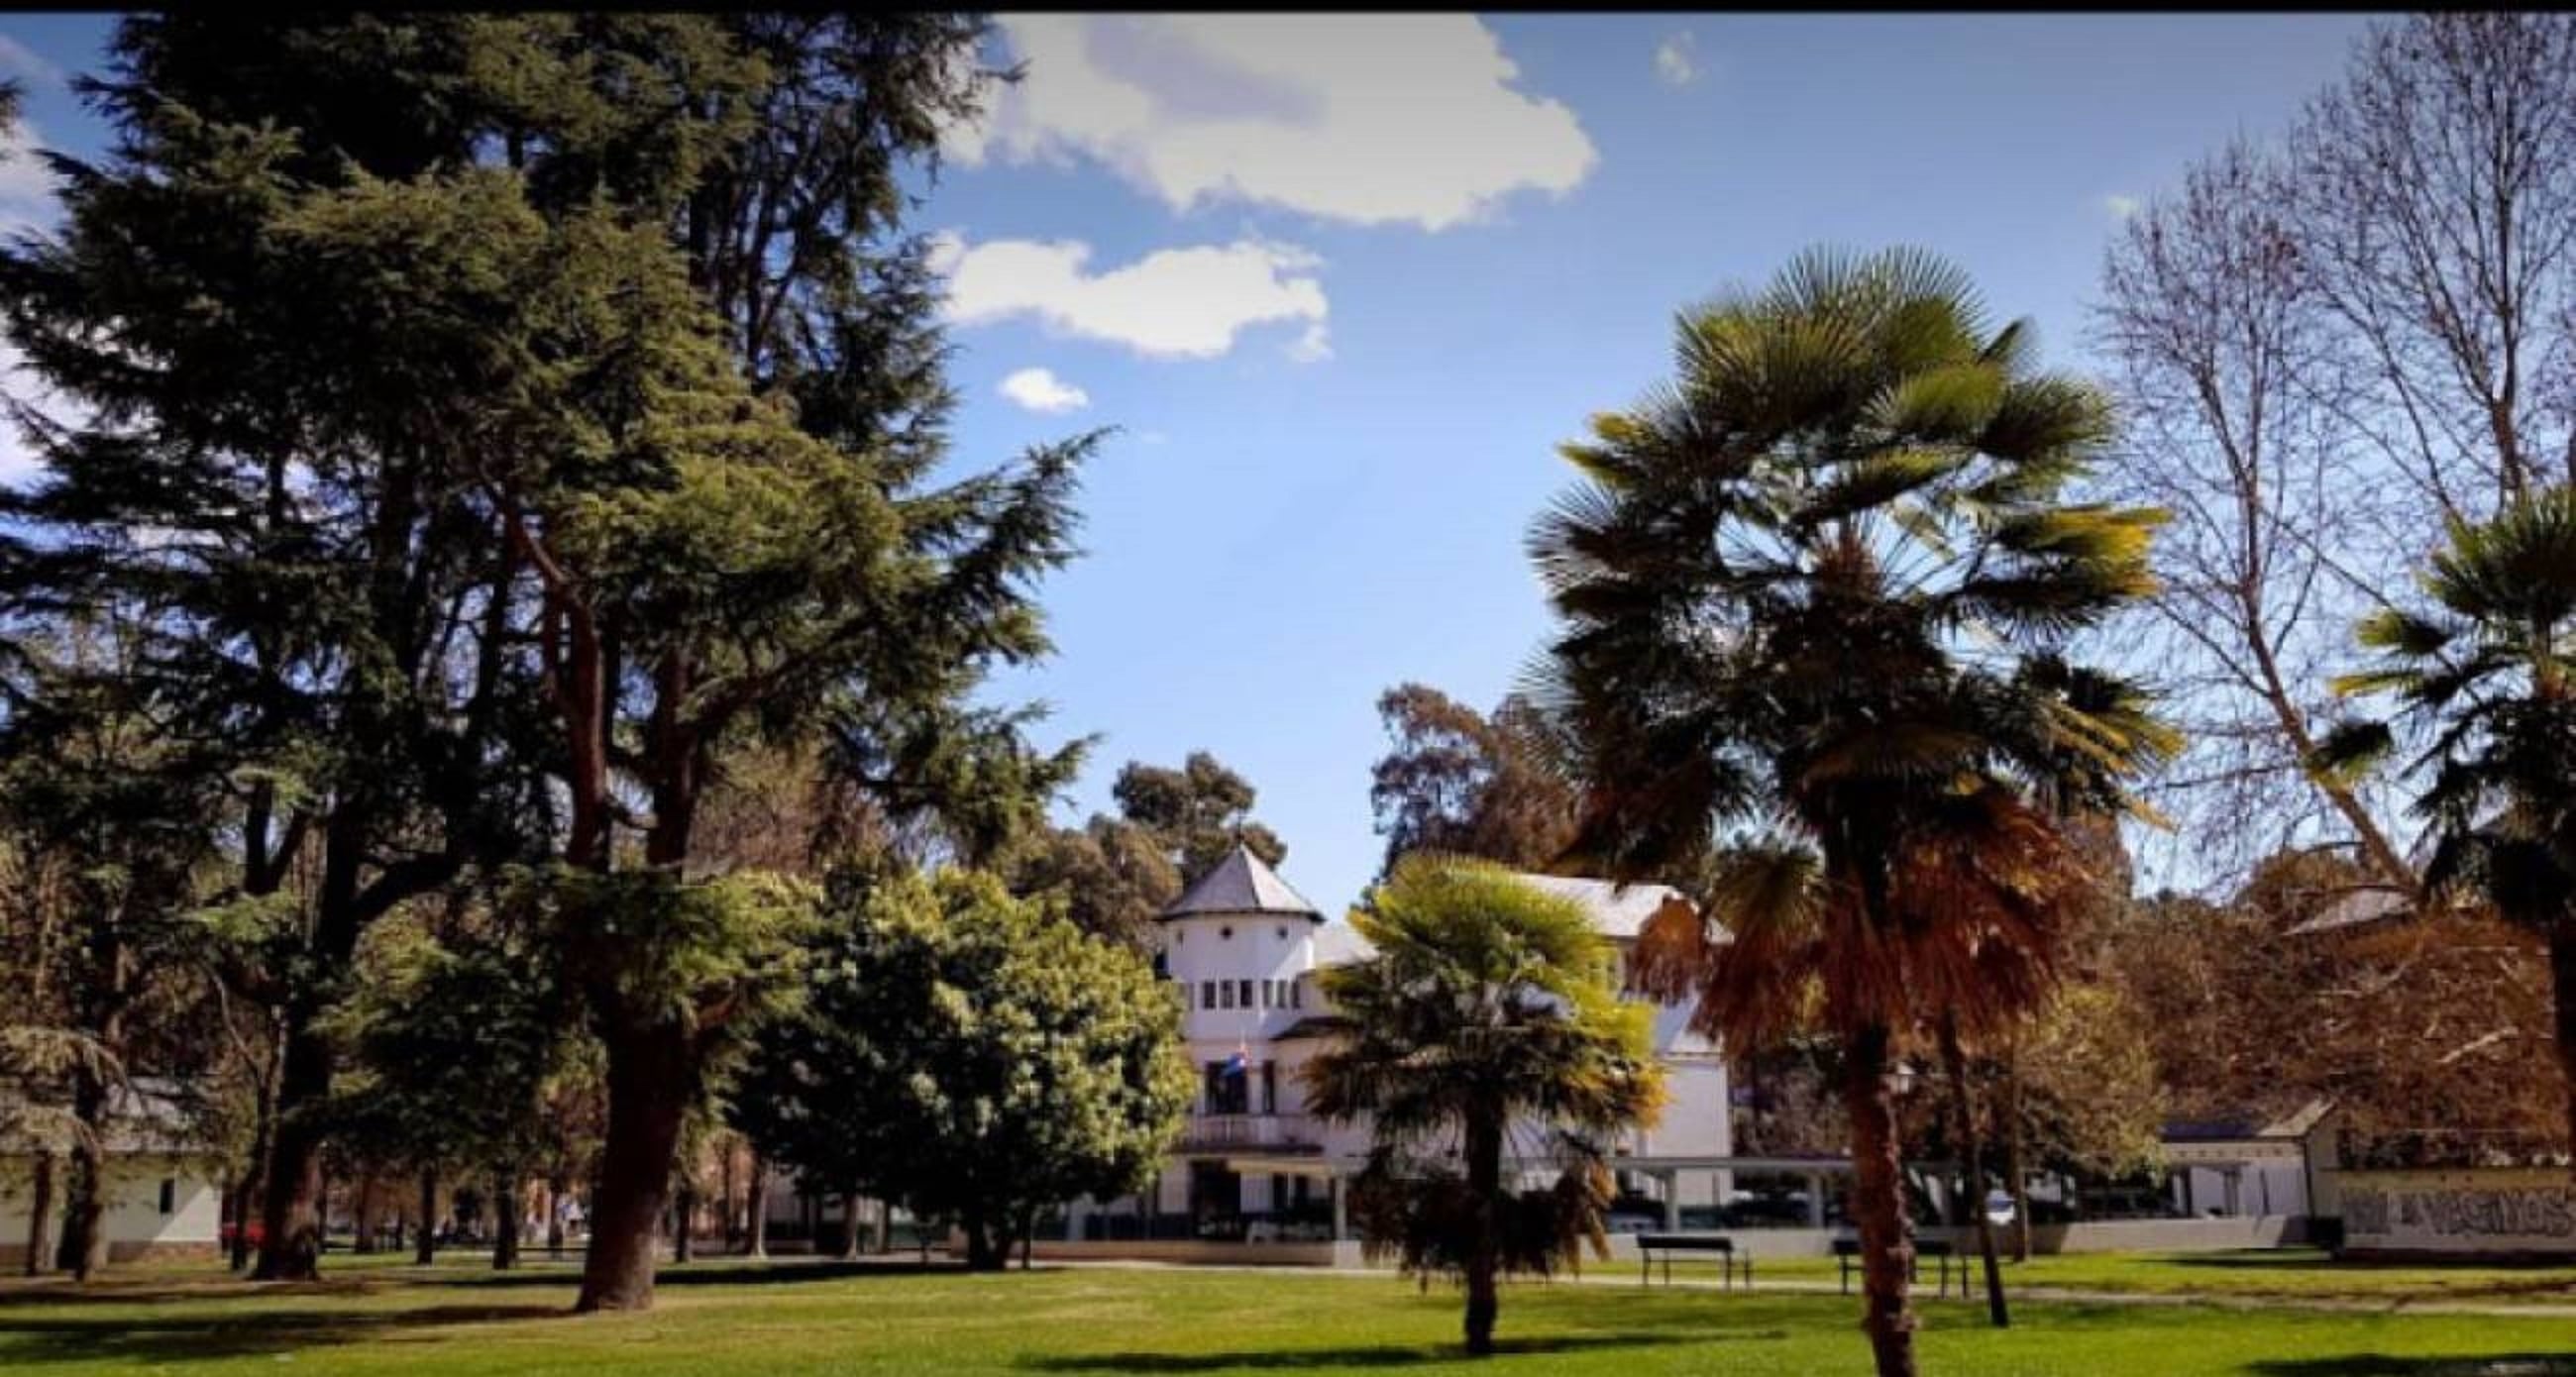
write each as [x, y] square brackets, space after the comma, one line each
[1339, 944]
[1240, 884]
[1618, 911]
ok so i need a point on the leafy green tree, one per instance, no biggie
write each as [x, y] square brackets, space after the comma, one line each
[1196, 813]
[2482, 666]
[569, 408]
[972, 1055]
[109, 816]
[1815, 597]
[1460, 782]
[459, 1039]
[1484, 1019]
[252, 471]
[1111, 877]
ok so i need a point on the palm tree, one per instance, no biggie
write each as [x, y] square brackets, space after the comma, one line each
[2485, 670]
[1486, 1017]
[1816, 595]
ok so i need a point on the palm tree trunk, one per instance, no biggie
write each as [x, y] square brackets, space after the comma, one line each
[1972, 1148]
[1878, 1202]
[1484, 1144]
[2013, 1165]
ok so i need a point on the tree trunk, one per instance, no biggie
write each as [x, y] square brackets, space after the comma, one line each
[756, 1229]
[1878, 1202]
[1028, 1238]
[85, 1241]
[425, 1243]
[263, 1149]
[652, 1078]
[555, 1188]
[507, 1188]
[2014, 1167]
[885, 1226]
[849, 1224]
[1484, 1145]
[980, 1253]
[686, 1208]
[1972, 1147]
[40, 1212]
[726, 1233]
[362, 1209]
[290, 1224]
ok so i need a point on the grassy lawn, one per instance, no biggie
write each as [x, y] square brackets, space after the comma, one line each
[718, 1318]
[2287, 1273]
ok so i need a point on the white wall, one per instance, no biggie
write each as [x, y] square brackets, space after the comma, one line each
[134, 1216]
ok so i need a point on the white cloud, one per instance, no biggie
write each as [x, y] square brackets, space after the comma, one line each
[2122, 207]
[1172, 303]
[17, 462]
[1040, 389]
[1677, 59]
[1394, 119]
[19, 60]
[1314, 346]
[26, 183]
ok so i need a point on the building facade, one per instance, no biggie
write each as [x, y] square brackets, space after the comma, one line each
[1243, 950]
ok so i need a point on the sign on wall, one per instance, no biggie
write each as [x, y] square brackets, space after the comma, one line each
[2495, 1210]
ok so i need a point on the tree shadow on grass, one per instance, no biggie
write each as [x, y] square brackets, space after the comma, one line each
[2384, 1365]
[79, 1340]
[1376, 1355]
[731, 1272]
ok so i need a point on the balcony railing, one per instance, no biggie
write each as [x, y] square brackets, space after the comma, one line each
[1296, 1132]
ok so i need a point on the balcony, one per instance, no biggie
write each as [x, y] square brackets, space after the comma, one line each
[1241, 1132]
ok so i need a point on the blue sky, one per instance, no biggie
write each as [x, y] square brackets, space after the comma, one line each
[1343, 283]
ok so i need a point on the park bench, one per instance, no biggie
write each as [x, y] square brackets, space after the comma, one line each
[1847, 1255]
[1668, 1244]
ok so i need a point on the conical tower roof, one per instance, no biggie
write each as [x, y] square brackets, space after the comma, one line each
[1241, 884]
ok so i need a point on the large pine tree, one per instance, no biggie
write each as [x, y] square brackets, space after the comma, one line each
[555, 398]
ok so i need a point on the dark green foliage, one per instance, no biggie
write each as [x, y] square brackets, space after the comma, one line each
[1455, 780]
[1485, 1016]
[1196, 813]
[970, 1055]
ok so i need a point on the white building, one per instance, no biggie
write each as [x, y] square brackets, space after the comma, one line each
[1244, 949]
[162, 1200]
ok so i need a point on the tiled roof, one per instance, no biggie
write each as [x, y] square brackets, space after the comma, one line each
[1241, 884]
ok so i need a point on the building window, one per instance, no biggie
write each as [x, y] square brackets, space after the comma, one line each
[169, 1195]
[1246, 986]
[1225, 993]
[1265, 994]
[1226, 1091]
[1297, 994]
[1207, 994]
[1269, 1087]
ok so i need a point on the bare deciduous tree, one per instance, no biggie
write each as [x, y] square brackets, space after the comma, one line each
[2324, 349]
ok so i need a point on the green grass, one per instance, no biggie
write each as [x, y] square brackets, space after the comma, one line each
[718, 1319]
[2274, 1273]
